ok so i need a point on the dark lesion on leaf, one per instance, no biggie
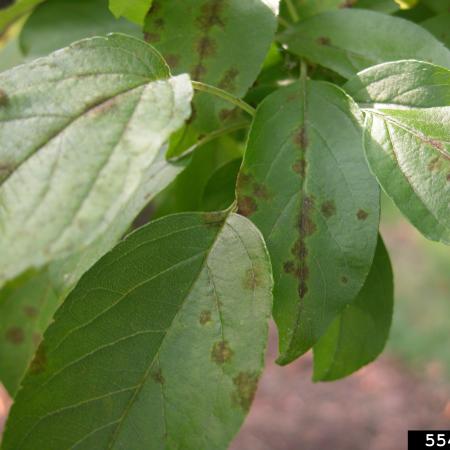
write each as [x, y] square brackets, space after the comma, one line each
[328, 208]
[173, 60]
[30, 311]
[253, 278]
[221, 352]
[206, 47]
[435, 164]
[246, 206]
[157, 376]
[211, 15]
[323, 40]
[151, 37]
[39, 362]
[300, 167]
[245, 384]
[3, 98]
[228, 82]
[344, 279]
[301, 138]
[15, 335]
[362, 215]
[260, 191]
[205, 317]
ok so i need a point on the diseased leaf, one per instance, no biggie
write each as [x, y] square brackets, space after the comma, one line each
[58, 23]
[333, 40]
[24, 306]
[44, 291]
[219, 192]
[162, 343]
[306, 185]
[439, 26]
[80, 129]
[358, 335]
[219, 42]
[134, 10]
[407, 139]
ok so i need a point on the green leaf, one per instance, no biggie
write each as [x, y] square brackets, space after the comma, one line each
[333, 40]
[407, 139]
[16, 9]
[309, 8]
[134, 10]
[219, 42]
[59, 277]
[384, 6]
[438, 6]
[58, 23]
[80, 130]
[439, 26]
[24, 306]
[162, 343]
[306, 185]
[219, 192]
[359, 334]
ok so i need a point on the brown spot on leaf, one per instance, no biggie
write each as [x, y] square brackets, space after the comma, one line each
[362, 215]
[221, 352]
[39, 362]
[347, 3]
[300, 249]
[260, 191]
[306, 225]
[228, 82]
[5, 169]
[173, 60]
[244, 179]
[247, 206]
[158, 376]
[104, 107]
[302, 288]
[246, 384]
[435, 164]
[159, 23]
[323, 40]
[300, 167]
[253, 278]
[37, 339]
[151, 37]
[344, 279]
[198, 71]
[205, 317]
[3, 98]
[434, 143]
[15, 335]
[301, 138]
[226, 114]
[448, 177]
[328, 208]
[211, 15]
[30, 311]
[206, 47]
[289, 267]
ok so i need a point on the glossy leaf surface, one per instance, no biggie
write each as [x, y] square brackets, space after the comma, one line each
[333, 40]
[407, 139]
[80, 130]
[162, 343]
[306, 185]
[358, 335]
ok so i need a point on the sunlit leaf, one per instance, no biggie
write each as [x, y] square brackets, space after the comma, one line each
[161, 343]
[80, 130]
[407, 139]
[306, 185]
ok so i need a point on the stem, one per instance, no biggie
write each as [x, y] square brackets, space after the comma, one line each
[210, 137]
[292, 11]
[197, 85]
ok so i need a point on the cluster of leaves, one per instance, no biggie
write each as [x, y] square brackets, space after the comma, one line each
[263, 191]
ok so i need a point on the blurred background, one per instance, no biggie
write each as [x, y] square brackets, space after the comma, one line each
[407, 388]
